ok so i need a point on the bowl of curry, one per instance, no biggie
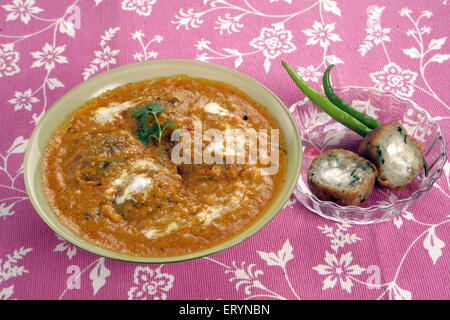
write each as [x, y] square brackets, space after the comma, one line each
[162, 161]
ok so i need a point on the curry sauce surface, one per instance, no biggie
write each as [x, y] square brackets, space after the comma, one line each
[120, 194]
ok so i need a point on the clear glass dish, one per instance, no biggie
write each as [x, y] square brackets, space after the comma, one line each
[320, 132]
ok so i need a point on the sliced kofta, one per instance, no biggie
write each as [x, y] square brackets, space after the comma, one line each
[97, 153]
[341, 176]
[397, 156]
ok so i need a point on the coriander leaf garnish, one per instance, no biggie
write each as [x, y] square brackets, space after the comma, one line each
[169, 124]
[144, 133]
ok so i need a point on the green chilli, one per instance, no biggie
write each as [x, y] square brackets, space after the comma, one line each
[362, 117]
[326, 105]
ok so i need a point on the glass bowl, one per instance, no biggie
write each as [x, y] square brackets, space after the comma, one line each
[320, 132]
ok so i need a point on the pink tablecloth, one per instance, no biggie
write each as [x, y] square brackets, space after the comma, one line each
[48, 47]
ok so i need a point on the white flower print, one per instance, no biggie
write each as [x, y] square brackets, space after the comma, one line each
[48, 56]
[138, 35]
[340, 270]
[309, 73]
[398, 220]
[392, 78]
[281, 258]
[8, 60]
[433, 245]
[9, 268]
[18, 146]
[142, 7]
[188, 18]
[138, 56]
[99, 274]
[427, 13]
[321, 34]
[229, 23]
[331, 6]
[378, 34]
[145, 54]
[340, 236]
[106, 57]
[6, 211]
[425, 30]
[202, 44]
[274, 42]
[158, 38]
[150, 284]
[405, 12]
[246, 277]
[67, 27]
[375, 33]
[202, 57]
[63, 245]
[397, 293]
[6, 293]
[23, 100]
[21, 8]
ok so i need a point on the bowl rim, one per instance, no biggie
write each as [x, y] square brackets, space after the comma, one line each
[261, 220]
[414, 196]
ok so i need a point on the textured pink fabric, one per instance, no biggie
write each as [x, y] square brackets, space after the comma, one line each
[48, 47]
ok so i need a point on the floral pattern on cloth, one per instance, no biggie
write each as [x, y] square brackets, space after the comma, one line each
[8, 60]
[393, 79]
[49, 47]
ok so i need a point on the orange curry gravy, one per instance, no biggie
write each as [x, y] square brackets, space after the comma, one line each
[111, 189]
